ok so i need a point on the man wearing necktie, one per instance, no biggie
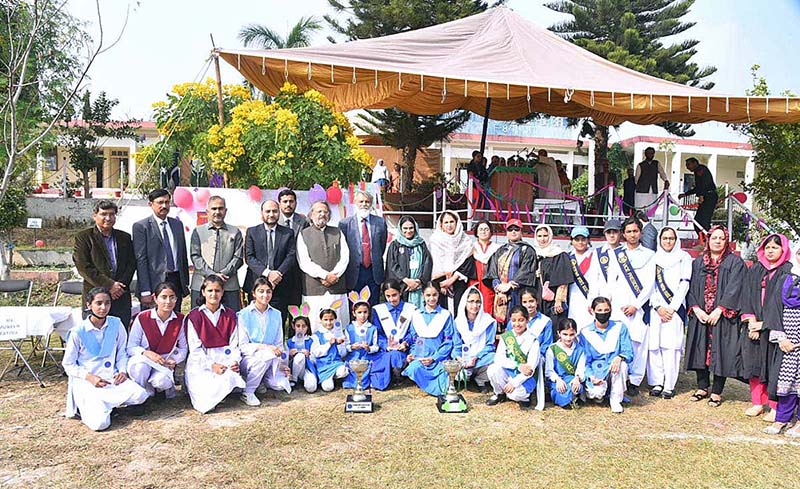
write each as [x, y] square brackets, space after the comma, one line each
[159, 244]
[270, 252]
[366, 238]
[104, 258]
[216, 249]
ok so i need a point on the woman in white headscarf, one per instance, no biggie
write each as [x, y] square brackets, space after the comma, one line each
[453, 267]
[473, 342]
[555, 276]
[667, 319]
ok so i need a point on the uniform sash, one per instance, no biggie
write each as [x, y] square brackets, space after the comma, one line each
[628, 272]
[563, 359]
[157, 342]
[666, 292]
[604, 262]
[390, 329]
[580, 279]
[607, 345]
[432, 329]
[210, 336]
[513, 350]
[109, 342]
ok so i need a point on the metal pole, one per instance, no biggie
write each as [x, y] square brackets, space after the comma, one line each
[433, 196]
[730, 213]
[485, 123]
[469, 203]
[611, 202]
[220, 106]
[665, 217]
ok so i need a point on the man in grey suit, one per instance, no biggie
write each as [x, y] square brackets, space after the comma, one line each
[366, 240]
[216, 249]
[159, 245]
[270, 252]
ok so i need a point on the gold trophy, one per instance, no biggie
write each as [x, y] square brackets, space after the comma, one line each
[358, 401]
[452, 401]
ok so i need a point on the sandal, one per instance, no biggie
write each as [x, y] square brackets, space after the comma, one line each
[714, 402]
[697, 396]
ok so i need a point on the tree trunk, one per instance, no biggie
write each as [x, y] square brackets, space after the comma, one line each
[5, 256]
[600, 151]
[85, 174]
[409, 161]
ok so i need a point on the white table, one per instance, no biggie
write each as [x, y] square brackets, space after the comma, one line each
[17, 324]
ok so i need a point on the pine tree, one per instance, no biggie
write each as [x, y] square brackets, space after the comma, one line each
[376, 18]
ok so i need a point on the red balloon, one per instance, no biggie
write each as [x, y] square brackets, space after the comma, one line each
[740, 196]
[183, 198]
[334, 194]
[255, 193]
[201, 198]
[39, 243]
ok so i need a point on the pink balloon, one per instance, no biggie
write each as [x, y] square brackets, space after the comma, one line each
[741, 197]
[201, 198]
[334, 195]
[183, 198]
[39, 243]
[316, 193]
[255, 193]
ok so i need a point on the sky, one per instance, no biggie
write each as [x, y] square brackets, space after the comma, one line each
[166, 42]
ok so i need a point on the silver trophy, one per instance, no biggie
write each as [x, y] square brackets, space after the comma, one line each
[359, 367]
[452, 367]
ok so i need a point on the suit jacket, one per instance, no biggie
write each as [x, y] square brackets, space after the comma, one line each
[94, 265]
[351, 227]
[284, 255]
[299, 222]
[151, 258]
[203, 248]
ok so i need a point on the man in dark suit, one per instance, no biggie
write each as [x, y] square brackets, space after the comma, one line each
[159, 244]
[287, 201]
[366, 238]
[270, 252]
[104, 258]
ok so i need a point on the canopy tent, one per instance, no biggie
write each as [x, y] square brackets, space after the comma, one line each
[495, 55]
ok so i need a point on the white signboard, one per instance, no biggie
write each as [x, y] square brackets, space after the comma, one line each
[34, 223]
[12, 326]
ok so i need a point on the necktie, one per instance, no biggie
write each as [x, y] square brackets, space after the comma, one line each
[289, 223]
[269, 248]
[167, 247]
[216, 265]
[366, 246]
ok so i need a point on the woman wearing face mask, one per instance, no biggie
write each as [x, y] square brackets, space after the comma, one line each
[409, 261]
[712, 341]
[453, 266]
[762, 308]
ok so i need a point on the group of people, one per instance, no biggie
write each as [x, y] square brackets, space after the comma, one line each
[551, 175]
[588, 323]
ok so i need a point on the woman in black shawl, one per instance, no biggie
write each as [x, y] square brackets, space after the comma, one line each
[712, 343]
[762, 309]
[409, 261]
[555, 276]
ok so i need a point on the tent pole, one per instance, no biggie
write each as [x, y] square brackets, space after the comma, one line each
[220, 105]
[485, 124]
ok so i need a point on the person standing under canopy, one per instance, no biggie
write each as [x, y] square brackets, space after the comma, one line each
[511, 269]
[706, 191]
[549, 181]
[647, 174]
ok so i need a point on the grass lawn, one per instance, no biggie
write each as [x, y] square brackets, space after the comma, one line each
[306, 440]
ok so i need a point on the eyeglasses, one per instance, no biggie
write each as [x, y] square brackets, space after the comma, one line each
[514, 229]
[473, 302]
[667, 238]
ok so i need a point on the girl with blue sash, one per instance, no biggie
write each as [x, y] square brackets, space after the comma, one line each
[96, 363]
[328, 348]
[299, 347]
[361, 339]
[473, 342]
[432, 342]
[516, 360]
[261, 343]
[392, 319]
[565, 365]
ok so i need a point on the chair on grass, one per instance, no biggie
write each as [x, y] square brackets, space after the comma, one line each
[14, 345]
[68, 287]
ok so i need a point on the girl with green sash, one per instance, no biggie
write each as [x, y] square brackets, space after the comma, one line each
[511, 373]
[565, 365]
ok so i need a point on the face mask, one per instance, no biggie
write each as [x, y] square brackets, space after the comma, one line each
[602, 317]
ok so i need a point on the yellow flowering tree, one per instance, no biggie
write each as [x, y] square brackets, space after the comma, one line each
[295, 141]
[186, 115]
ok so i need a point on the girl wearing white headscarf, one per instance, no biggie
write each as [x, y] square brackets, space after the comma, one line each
[555, 275]
[673, 273]
[451, 250]
[474, 337]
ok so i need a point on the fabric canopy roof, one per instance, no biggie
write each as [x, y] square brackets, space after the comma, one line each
[521, 66]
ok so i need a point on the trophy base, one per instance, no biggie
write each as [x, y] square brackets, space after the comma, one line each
[446, 406]
[351, 406]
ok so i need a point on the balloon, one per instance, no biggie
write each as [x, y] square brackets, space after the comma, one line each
[255, 193]
[741, 197]
[334, 194]
[183, 198]
[39, 243]
[201, 198]
[316, 193]
[673, 210]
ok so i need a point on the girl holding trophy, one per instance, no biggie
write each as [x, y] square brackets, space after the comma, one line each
[299, 347]
[361, 338]
[432, 337]
[473, 342]
[328, 348]
[392, 319]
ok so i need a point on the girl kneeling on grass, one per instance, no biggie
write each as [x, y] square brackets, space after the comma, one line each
[299, 346]
[393, 320]
[565, 365]
[361, 341]
[328, 348]
[515, 362]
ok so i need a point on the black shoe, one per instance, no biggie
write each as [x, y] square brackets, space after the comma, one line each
[667, 394]
[137, 410]
[656, 391]
[524, 404]
[484, 389]
[473, 387]
[496, 399]
[633, 390]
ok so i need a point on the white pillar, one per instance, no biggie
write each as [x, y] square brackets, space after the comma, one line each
[749, 175]
[675, 174]
[448, 157]
[132, 164]
[712, 167]
[591, 166]
[638, 154]
[571, 164]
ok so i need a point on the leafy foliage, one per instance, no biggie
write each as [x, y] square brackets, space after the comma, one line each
[13, 210]
[84, 138]
[377, 18]
[263, 37]
[776, 185]
[297, 140]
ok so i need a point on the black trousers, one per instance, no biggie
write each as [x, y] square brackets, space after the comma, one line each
[703, 382]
